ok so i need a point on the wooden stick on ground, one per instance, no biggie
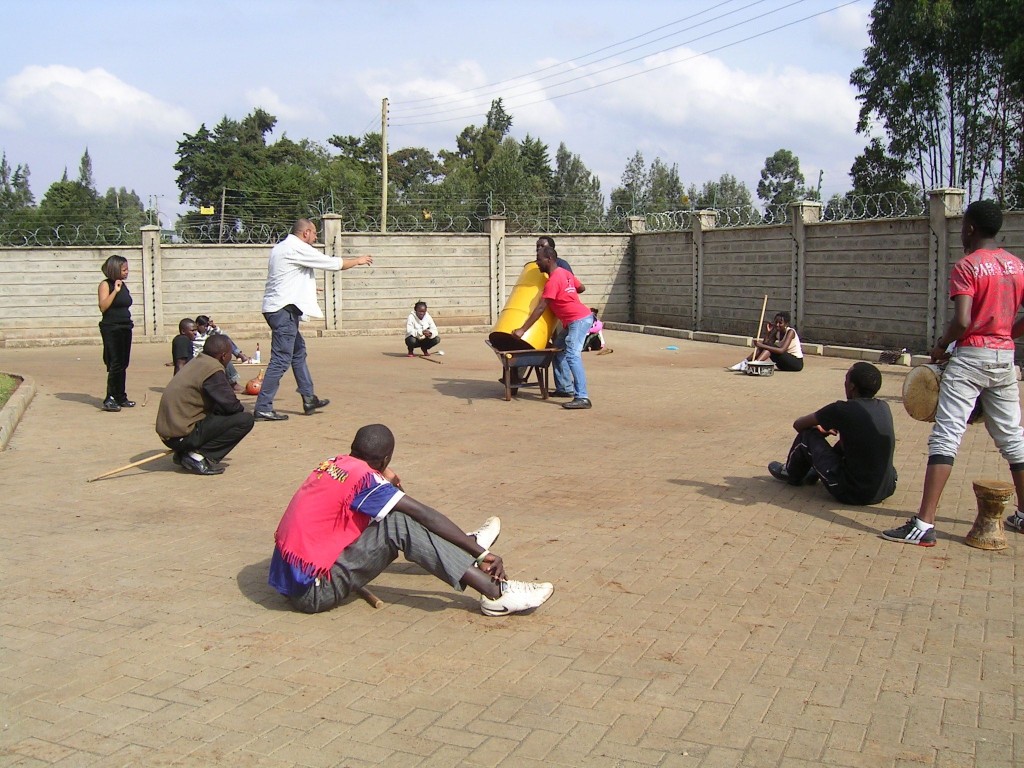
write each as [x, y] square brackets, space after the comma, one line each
[430, 358]
[133, 464]
[369, 597]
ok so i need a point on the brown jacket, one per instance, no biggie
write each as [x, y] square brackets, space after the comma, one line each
[196, 391]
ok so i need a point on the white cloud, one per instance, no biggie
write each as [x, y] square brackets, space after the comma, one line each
[85, 102]
[270, 101]
[713, 119]
[846, 28]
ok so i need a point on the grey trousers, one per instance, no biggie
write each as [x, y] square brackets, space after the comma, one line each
[378, 546]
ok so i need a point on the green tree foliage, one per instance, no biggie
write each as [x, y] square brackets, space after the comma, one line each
[875, 171]
[533, 154]
[412, 171]
[506, 180]
[648, 189]
[727, 192]
[632, 194]
[17, 204]
[666, 190]
[125, 209]
[76, 213]
[72, 203]
[479, 144]
[941, 78]
[781, 183]
[268, 183]
[354, 178]
[85, 177]
[575, 191]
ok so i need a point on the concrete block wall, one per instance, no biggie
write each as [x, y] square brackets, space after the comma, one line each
[50, 293]
[223, 281]
[879, 284]
[866, 284]
[741, 266]
[449, 272]
[603, 264]
[663, 285]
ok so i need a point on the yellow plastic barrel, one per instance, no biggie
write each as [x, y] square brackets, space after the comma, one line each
[521, 302]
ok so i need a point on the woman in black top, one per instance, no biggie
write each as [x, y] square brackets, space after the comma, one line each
[116, 330]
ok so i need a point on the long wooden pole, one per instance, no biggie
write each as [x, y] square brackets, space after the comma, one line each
[760, 323]
[133, 464]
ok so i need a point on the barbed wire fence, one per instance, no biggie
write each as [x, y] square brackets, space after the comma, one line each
[264, 219]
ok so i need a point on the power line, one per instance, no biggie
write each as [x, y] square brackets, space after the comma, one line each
[516, 105]
[580, 58]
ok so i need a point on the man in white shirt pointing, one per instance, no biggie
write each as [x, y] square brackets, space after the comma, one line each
[290, 295]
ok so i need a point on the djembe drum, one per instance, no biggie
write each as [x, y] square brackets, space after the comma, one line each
[987, 532]
[921, 394]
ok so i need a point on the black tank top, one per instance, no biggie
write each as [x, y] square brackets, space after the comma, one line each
[118, 313]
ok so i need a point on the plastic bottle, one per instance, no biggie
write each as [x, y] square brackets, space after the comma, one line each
[256, 357]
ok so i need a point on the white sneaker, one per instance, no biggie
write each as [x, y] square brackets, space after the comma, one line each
[517, 596]
[487, 533]
[740, 366]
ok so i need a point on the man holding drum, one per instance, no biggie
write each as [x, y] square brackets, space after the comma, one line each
[987, 288]
[858, 468]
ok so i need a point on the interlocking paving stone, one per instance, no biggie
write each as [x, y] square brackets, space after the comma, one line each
[704, 614]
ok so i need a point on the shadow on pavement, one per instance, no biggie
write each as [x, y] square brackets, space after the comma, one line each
[471, 389]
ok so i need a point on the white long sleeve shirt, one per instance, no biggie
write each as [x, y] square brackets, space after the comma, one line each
[415, 327]
[290, 276]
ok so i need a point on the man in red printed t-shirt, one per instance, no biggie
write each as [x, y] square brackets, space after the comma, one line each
[562, 293]
[987, 288]
[350, 519]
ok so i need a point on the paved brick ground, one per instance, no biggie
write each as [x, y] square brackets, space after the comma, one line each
[704, 614]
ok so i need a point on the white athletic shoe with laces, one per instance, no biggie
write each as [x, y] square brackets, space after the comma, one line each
[487, 533]
[740, 366]
[516, 596]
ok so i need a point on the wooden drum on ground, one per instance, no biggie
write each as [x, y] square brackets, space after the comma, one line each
[921, 393]
[993, 497]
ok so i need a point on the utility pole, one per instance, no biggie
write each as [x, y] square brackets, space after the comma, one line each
[223, 194]
[384, 165]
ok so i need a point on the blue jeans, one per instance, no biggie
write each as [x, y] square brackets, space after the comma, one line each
[973, 373]
[569, 362]
[287, 350]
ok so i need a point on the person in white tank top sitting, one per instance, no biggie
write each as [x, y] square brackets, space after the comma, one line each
[780, 344]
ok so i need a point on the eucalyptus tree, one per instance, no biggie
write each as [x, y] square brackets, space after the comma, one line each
[936, 79]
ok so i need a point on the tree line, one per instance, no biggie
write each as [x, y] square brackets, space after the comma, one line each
[72, 207]
[941, 90]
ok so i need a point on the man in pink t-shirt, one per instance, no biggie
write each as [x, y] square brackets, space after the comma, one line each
[987, 288]
[562, 294]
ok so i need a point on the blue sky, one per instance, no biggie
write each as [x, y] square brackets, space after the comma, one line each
[128, 78]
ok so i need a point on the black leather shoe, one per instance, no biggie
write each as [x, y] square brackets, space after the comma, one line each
[312, 402]
[270, 416]
[176, 458]
[579, 404]
[199, 467]
[560, 393]
[126, 403]
[110, 404]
